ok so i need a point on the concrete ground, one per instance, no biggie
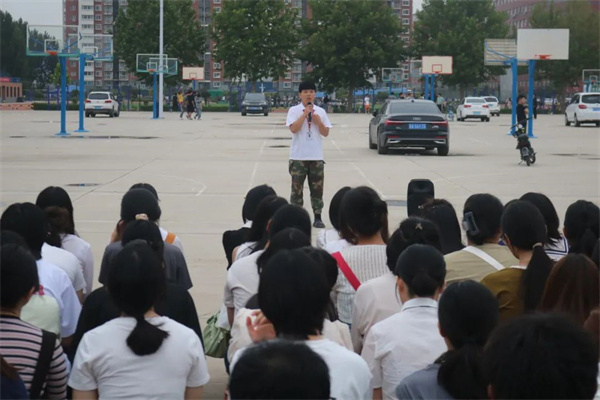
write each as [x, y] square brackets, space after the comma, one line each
[202, 170]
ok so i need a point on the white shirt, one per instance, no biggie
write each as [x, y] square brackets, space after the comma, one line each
[176, 242]
[43, 312]
[349, 374]
[336, 245]
[105, 362]
[244, 249]
[242, 281]
[67, 262]
[402, 344]
[367, 262]
[367, 101]
[374, 301]
[327, 236]
[56, 283]
[83, 251]
[307, 144]
[557, 249]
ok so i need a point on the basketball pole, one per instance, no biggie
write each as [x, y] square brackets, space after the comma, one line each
[160, 65]
[63, 97]
[82, 58]
[530, 98]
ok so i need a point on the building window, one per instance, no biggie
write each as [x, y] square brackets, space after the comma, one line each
[89, 73]
[217, 10]
[297, 77]
[216, 65]
[73, 7]
[108, 19]
[87, 26]
[405, 77]
[406, 3]
[288, 75]
[297, 68]
[108, 10]
[98, 8]
[98, 64]
[405, 12]
[217, 75]
[405, 21]
[217, 1]
[87, 17]
[98, 17]
[216, 84]
[98, 27]
[86, 7]
[99, 73]
[287, 85]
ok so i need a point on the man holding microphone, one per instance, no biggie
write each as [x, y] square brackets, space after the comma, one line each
[308, 123]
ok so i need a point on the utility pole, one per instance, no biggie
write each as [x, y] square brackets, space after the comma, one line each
[161, 66]
[116, 74]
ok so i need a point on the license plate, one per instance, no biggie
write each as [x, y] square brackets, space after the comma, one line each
[417, 126]
[97, 107]
[476, 113]
[254, 108]
[596, 108]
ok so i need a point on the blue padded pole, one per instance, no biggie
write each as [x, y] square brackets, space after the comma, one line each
[63, 97]
[154, 85]
[82, 59]
[530, 98]
[515, 81]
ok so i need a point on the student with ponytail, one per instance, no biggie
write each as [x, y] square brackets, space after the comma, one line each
[409, 340]
[468, 313]
[519, 288]
[140, 354]
[581, 227]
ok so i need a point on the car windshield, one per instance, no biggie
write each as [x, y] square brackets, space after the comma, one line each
[408, 107]
[491, 99]
[475, 101]
[254, 97]
[98, 96]
[591, 99]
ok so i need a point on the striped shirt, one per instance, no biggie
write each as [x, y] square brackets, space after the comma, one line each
[557, 248]
[21, 344]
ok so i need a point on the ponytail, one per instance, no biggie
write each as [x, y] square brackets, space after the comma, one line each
[586, 243]
[535, 277]
[145, 338]
[461, 372]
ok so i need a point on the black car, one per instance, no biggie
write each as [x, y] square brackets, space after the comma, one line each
[255, 103]
[409, 123]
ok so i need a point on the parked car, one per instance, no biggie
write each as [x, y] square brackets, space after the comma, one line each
[409, 123]
[101, 103]
[493, 104]
[583, 108]
[473, 107]
[255, 103]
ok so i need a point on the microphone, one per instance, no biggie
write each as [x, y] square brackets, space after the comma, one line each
[309, 114]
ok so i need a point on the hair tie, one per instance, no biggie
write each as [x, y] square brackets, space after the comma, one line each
[538, 244]
[142, 217]
[419, 227]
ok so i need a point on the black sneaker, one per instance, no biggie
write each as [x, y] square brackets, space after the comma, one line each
[318, 222]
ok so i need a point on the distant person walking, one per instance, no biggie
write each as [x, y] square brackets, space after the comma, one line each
[308, 123]
[367, 104]
[190, 103]
[522, 112]
[180, 103]
[535, 106]
[441, 102]
[198, 106]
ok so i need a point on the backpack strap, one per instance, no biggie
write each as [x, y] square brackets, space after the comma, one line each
[346, 270]
[170, 238]
[484, 256]
[43, 365]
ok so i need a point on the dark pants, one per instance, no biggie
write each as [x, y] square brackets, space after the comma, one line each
[315, 171]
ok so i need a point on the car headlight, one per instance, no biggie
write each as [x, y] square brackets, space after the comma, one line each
[244, 103]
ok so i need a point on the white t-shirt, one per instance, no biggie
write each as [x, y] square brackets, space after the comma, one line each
[367, 101]
[105, 362]
[83, 251]
[349, 374]
[375, 301]
[43, 312]
[244, 249]
[176, 242]
[327, 236]
[336, 245]
[402, 344]
[242, 281]
[67, 262]
[306, 143]
[56, 283]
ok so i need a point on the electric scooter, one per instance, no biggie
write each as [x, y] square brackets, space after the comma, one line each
[523, 144]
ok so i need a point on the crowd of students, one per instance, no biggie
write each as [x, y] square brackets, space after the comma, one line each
[512, 312]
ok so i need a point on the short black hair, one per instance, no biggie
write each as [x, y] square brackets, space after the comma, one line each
[334, 207]
[18, 274]
[541, 356]
[521, 96]
[293, 294]
[146, 186]
[280, 369]
[422, 268]
[290, 216]
[29, 221]
[362, 212]
[442, 213]
[264, 212]
[286, 239]
[412, 230]
[139, 201]
[253, 199]
[306, 85]
[544, 204]
[326, 262]
[485, 210]
[57, 197]
[582, 225]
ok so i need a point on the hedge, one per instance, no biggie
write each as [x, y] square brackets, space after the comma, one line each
[53, 106]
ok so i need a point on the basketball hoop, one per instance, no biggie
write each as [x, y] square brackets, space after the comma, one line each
[52, 52]
[544, 56]
[437, 68]
[151, 70]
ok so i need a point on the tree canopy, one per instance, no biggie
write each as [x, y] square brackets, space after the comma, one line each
[137, 31]
[255, 39]
[458, 28]
[348, 41]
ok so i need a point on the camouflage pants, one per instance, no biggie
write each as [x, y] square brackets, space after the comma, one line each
[315, 171]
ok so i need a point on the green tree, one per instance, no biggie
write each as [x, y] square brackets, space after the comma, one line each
[348, 41]
[137, 32]
[56, 75]
[458, 28]
[583, 23]
[255, 39]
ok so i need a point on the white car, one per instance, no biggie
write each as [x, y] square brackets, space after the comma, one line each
[494, 105]
[583, 108]
[101, 103]
[473, 107]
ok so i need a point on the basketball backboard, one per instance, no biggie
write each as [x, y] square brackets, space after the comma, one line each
[98, 47]
[393, 75]
[543, 44]
[438, 65]
[51, 40]
[500, 51]
[416, 68]
[151, 63]
[590, 80]
[193, 74]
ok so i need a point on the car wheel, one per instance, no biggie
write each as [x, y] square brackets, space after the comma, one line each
[243, 114]
[111, 113]
[381, 149]
[93, 115]
[443, 150]
[372, 145]
[118, 113]
[266, 113]
[487, 119]
[87, 114]
[567, 123]
[577, 123]
[597, 123]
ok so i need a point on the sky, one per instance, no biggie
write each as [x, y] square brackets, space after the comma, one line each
[49, 12]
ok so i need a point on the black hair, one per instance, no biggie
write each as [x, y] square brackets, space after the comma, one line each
[10, 237]
[253, 199]
[481, 216]
[467, 314]
[524, 226]
[147, 231]
[363, 213]
[286, 239]
[139, 201]
[27, 220]
[306, 86]
[334, 207]
[293, 294]
[412, 230]
[521, 96]
[18, 274]
[136, 281]
[264, 212]
[543, 203]
[541, 356]
[328, 264]
[422, 268]
[280, 369]
[57, 197]
[290, 216]
[582, 221]
[58, 222]
[146, 186]
[442, 213]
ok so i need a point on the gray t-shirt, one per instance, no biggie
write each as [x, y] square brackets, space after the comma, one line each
[422, 384]
[176, 269]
